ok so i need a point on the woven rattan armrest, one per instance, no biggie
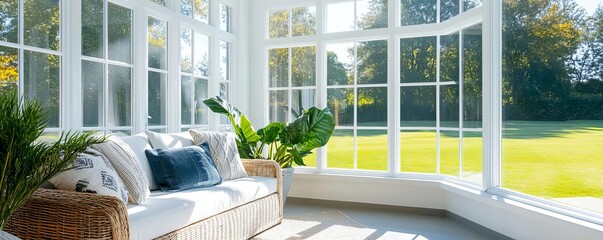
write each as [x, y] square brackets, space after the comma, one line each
[58, 214]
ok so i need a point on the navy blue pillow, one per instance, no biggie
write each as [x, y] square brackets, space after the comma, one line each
[178, 169]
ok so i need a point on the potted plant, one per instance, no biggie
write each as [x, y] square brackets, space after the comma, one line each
[285, 143]
[26, 163]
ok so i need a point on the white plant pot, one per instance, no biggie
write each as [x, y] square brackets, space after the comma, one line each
[287, 174]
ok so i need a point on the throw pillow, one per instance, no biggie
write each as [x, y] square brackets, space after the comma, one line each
[91, 172]
[223, 148]
[178, 169]
[172, 140]
[138, 143]
[128, 167]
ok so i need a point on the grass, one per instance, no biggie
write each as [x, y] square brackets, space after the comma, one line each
[546, 159]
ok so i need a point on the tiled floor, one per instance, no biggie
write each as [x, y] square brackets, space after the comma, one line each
[395, 223]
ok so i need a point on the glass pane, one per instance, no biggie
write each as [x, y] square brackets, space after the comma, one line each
[279, 67]
[9, 26]
[418, 106]
[472, 157]
[42, 79]
[472, 77]
[225, 60]
[340, 149]
[449, 106]
[157, 38]
[201, 10]
[186, 100]
[160, 2]
[92, 93]
[278, 104]
[157, 98]
[450, 163]
[418, 59]
[303, 21]
[201, 93]
[372, 62]
[449, 9]
[418, 12]
[120, 33]
[469, 4]
[340, 17]
[186, 51]
[372, 107]
[418, 151]
[225, 18]
[372, 150]
[201, 56]
[225, 94]
[42, 24]
[303, 66]
[302, 100]
[449, 58]
[92, 28]
[120, 96]
[371, 14]
[278, 23]
[341, 104]
[186, 7]
[9, 68]
[340, 64]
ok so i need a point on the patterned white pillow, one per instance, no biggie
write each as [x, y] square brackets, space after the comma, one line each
[172, 140]
[127, 166]
[92, 173]
[224, 151]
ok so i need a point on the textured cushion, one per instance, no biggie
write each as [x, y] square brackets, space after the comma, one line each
[223, 148]
[172, 140]
[128, 167]
[178, 169]
[138, 143]
[91, 172]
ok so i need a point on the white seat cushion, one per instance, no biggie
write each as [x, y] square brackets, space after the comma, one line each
[163, 212]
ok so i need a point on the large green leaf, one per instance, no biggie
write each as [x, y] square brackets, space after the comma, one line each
[218, 105]
[270, 133]
[320, 127]
[247, 130]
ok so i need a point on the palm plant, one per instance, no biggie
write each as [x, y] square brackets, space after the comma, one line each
[26, 163]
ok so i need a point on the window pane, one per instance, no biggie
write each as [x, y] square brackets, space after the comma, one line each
[372, 106]
[201, 93]
[302, 100]
[186, 51]
[303, 66]
[449, 58]
[225, 18]
[120, 96]
[472, 77]
[340, 149]
[224, 93]
[418, 12]
[340, 64]
[92, 93]
[279, 67]
[120, 33]
[278, 106]
[418, 106]
[450, 163]
[92, 28]
[418, 59]
[340, 17]
[372, 149]
[186, 100]
[201, 10]
[371, 14]
[341, 103]
[9, 26]
[160, 2]
[225, 60]
[472, 157]
[9, 68]
[279, 23]
[448, 9]
[42, 24]
[157, 98]
[469, 4]
[41, 79]
[449, 106]
[186, 7]
[372, 62]
[303, 21]
[157, 38]
[201, 57]
[418, 151]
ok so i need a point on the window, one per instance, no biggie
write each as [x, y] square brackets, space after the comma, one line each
[356, 15]
[225, 79]
[225, 18]
[194, 78]
[197, 9]
[298, 21]
[157, 74]
[31, 54]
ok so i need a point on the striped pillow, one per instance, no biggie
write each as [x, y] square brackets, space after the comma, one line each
[127, 166]
[224, 151]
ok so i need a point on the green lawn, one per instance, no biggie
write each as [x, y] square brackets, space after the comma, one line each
[547, 159]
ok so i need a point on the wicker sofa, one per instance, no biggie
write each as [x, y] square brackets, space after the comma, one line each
[57, 214]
